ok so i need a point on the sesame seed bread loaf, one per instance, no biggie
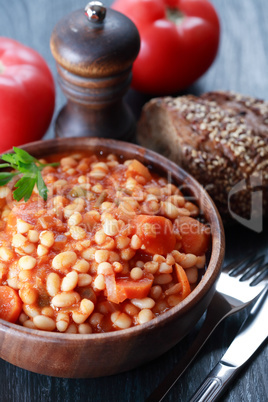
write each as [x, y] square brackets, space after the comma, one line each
[221, 138]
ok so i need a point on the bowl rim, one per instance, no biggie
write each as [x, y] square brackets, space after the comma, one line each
[217, 249]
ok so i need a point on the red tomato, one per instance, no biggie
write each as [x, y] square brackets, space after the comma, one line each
[179, 41]
[27, 94]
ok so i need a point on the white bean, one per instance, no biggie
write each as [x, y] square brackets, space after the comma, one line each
[84, 280]
[6, 254]
[192, 275]
[28, 295]
[174, 289]
[62, 321]
[200, 261]
[81, 266]
[100, 237]
[121, 320]
[71, 329]
[165, 268]
[188, 261]
[122, 242]
[47, 238]
[136, 273]
[163, 279]
[85, 328]
[97, 174]
[41, 250]
[111, 227]
[62, 326]
[89, 254]
[18, 240]
[169, 210]
[146, 302]
[70, 281]
[66, 299]
[53, 284]
[75, 219]
[28, 248]
[45, 323]
[101, 255]
[31, 311]
[86, 306]
[4, 192]
[68, 161]
[29, 324]
[145, 315]
[27, 262]
[99, 282]
[77, 232]
[64, 260]
[151, 266]
[105, 268]
[33, 236]
[136, 242]
[22, 226]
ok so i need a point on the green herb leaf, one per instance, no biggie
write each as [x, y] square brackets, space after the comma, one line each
[42, 188]
[11, 158]
[29, 168]
[24, 188]
[6, 177]
[23, 156]
[54, 164]
[4, 165]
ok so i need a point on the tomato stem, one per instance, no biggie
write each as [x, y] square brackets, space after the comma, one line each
[2, 67]
[174, 15]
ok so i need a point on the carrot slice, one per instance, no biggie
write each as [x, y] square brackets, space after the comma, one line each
[195, 236]
[156, 233]
[183, 280]
[134, 289]
[10, 304]
[122, 289]
[137, 168]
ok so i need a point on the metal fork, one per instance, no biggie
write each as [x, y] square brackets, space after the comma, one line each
[240, 283]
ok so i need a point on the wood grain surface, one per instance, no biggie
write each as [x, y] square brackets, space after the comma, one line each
[241, 65]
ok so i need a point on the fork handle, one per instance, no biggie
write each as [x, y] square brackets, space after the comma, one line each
[218, 309]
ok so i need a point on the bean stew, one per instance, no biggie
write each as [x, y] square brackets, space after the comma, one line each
[114, 246]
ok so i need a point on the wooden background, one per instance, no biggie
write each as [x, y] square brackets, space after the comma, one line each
[241, 65]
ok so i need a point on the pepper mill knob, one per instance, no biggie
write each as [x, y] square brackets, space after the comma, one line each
[94, 51]
[95, 11]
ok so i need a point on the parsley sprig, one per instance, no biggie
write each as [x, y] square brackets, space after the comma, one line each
[29, 168]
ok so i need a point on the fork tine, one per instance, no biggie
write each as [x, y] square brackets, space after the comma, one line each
[260, 276]
[252, 267]
[250, 262]
[232, 266]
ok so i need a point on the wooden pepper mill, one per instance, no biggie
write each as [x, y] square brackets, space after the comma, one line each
[94, 50]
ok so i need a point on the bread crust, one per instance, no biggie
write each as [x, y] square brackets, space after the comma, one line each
[221, 138]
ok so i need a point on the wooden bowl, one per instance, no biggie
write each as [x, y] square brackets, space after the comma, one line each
[95, 355]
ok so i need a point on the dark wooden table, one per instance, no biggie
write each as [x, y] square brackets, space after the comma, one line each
[241, 65]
